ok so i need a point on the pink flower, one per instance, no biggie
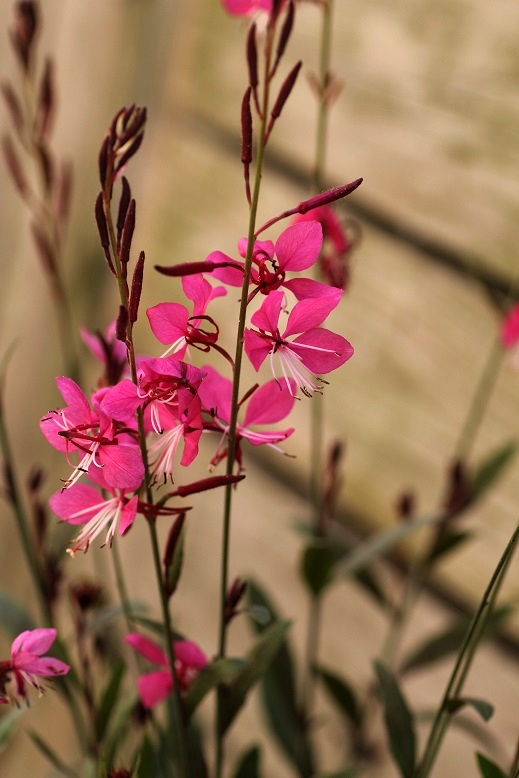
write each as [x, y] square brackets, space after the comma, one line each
[83, 504]
[172, 324]
[108, 350]
[337, 246]
[510, 328]
[269, 404]
[156, 686]
[296, 249]
[78, 428]
[246, 7]
[163, 382]
[27, 665]
[314, 352]
[175, 427]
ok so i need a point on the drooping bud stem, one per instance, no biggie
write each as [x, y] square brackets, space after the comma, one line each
[325, 198]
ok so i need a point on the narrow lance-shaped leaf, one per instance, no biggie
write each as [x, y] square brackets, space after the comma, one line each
[285, 720]
[317, 566]
[342, 694]
[109, 699]
[249, 764]
[399, 722]
[483, 708]
[254, 668]
[489, 769]
[491, 468]
[449, 640]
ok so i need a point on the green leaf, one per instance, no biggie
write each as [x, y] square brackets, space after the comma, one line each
[317, 566]
[8, 723]
[485, 709]
[109, 700]
[51, 755]
[106, 617]
[14, 619]
[221, 671]
[448, 541]
[449, 640]
[491, 469]
[341, 549]
[399, 722]
[195, 754]
[342, 695]
[253, 669]
[248, 766]
[489, 769]
[278, 688]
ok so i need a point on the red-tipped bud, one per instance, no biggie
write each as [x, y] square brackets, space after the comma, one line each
[105, 162]
[213, 482]
[135, 294]
[458, 488]
[252, 57]
[330, 196]
[246, 128]
[103, 231]
[284, 94]
[46, 102]
[406, 506]
[233, 598]
[127, 235]
[284, 36]
[124, 202]
[193, 268]
[121, 324]
[24, 31]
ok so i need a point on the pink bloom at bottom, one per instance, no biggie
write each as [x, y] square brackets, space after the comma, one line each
[27, 665]
[156, 686]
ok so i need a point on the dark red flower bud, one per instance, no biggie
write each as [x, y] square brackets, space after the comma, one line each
[233, 598]
[135, 295]
[46, 102]
[24, 31]
[14, 107]
[206, 483]
[252, 57]
[284, 37]
[284, 94]
[127, 235]
[121, 324]
[124, 202]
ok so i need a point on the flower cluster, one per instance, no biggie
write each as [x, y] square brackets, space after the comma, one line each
[178, 401]
[28, 666]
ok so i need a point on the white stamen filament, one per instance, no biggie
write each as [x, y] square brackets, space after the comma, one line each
[164, 449]
[109, 514]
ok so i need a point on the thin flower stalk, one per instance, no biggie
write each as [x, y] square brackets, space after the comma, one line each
[317, 407]
[176, 704]
[465, 659]
[233, 421]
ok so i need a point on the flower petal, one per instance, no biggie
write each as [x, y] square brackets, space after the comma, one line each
[298, 247]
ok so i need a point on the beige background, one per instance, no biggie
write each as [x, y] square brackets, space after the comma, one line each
[428, 116]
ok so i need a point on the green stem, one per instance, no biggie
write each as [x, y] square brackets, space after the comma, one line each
[324, 106]
[480, 401]
[317, 406]
[177, 719]
[121, 587]
[464, 660]
[227, 512]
